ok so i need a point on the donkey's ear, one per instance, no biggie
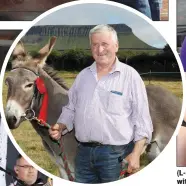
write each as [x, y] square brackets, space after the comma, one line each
[45, 51]
[18, 54]
[19, 50]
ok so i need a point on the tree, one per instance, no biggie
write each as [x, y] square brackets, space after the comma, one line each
[167, 48]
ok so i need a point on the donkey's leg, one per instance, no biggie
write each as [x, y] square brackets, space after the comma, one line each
[57, 160]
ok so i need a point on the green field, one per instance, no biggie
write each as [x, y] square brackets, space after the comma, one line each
[30, 142]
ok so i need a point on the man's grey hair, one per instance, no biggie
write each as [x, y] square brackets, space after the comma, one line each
[103, 28]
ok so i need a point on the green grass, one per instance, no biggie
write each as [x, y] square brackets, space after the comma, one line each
[31, 144]
[174, 86]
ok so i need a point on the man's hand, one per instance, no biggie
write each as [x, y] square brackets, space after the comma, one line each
[134, 157]
[56, 130]
[133, 162]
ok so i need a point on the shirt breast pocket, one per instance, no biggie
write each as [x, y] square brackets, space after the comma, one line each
[117, 104]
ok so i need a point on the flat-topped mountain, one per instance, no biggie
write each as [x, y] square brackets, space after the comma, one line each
[76, 36]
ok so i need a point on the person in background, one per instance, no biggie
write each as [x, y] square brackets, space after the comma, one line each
[3, 152]
[26, 174]
[183, 54]
[150, 8]
[143, 6]
[108, 107]
[181, 138]
[155, 8]
[181, 145]
[140, 5]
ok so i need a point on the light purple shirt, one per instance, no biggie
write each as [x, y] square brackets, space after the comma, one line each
[102, 115]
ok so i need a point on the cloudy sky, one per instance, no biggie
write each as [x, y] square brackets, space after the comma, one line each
[95, 13]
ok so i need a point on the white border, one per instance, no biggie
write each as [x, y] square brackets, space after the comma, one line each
[14, 25]
[27, 27]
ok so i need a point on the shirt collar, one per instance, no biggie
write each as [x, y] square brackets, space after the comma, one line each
[93, 67]
[116, 67]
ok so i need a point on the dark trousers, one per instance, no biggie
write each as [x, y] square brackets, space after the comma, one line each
[150, 8]
[155, 7]
[140, 5]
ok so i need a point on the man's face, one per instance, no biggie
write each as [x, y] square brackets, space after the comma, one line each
[25, 172]
[103, 48]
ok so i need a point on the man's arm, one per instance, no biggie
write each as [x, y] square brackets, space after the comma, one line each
[65, 121]
[141, 120]
[133, 158]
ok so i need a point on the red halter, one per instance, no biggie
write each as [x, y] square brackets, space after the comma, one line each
[44, 106]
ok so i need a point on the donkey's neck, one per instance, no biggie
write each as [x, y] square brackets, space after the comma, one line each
[57, 98]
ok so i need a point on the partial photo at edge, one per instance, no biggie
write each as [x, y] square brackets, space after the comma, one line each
[14, 168]
[27, 10]
[181, 47]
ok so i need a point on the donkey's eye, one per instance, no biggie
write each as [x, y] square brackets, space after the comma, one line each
[6, 83]
[29, 85]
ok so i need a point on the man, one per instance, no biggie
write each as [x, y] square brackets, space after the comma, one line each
[25, 173]
[109, 109]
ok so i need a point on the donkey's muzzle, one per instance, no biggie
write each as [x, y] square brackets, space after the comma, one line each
[11, 120]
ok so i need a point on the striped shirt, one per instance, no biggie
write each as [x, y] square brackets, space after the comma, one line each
[113, 110]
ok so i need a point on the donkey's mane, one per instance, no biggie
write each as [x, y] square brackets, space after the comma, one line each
[53, 74]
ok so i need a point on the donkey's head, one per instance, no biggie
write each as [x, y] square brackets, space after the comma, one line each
[21, 81]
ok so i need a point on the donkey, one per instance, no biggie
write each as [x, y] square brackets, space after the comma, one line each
[22, 94]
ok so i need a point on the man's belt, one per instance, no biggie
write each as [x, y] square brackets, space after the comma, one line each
[91, 144]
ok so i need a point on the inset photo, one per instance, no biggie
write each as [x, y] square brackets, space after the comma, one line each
[6, 39]
[27, 10]
[15, 170]
[181, 28]
[93, 98]
[181, 47]
[180, 145]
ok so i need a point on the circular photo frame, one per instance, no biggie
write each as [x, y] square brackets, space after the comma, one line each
[150, 114]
